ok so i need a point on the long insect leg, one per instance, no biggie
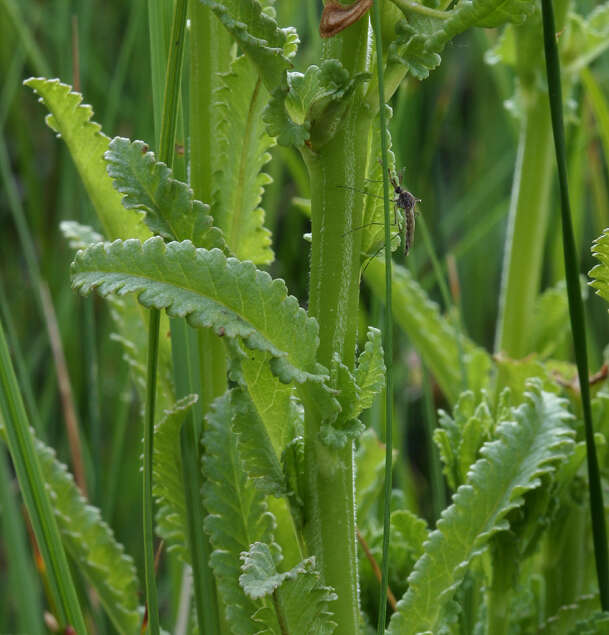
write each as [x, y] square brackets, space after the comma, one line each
[374, 256]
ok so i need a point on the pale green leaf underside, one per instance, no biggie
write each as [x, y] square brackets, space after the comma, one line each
[148, 185]
[79, 236]
[527, 447]
[300, 601]
[168, 480]
[128, 317]
[243, 152]
[259, 458]
[432, 335]
[210, 290]
[272, 399]
[86, 142]
[91, 544]
[237, 514]
[268, 46]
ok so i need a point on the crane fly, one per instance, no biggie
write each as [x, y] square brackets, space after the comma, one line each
[403, 200]
[406, 202]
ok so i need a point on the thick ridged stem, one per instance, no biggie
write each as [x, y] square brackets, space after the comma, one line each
[333, 301]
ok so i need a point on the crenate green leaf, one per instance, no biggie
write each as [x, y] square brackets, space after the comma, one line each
[71, 120]
[257, 34]
[421, 38]
[312, 105]
[300, 601]
[148, 186]
[237, 513]
[343, 428]
[370, 369]
[530, 445]
[260, 576]
[243, 151]
[210, 290]
[168, 480]
[459, 437]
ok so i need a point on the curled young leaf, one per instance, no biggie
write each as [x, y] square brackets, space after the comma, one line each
[336, 16]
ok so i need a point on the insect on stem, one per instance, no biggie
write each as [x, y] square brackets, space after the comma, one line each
[403, 200]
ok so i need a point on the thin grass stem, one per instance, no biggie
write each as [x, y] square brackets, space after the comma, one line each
[576, 310]
[20, 442]
[388, 328]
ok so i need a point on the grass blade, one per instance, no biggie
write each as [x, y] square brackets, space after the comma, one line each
[29, 475]
[166, 139]
[576, 310]
[388, 327]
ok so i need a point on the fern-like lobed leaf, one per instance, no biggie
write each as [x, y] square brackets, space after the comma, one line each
[311, 105]
[370, 370]
[600, 272]
[237, 513]
[243, 152]
[300, 601]
[527, 447]
[210, 290]
[71, 120]
[148, 185]
[422, 38]
[256, 32]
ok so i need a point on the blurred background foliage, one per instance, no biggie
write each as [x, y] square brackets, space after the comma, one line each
[452, 133]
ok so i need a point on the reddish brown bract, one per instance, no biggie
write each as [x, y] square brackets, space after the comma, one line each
[336, 16]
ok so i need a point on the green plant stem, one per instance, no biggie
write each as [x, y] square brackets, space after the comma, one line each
[210, 55]
[527, 225]
[173, 79]
[576, 309]
[388, 329]
[187, 379]
[159, 21]
[334, 294]
[415, 7]
[148, 515]
[505, 557]
[165, 138]
[29, 474]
